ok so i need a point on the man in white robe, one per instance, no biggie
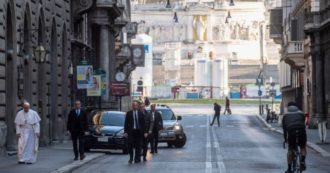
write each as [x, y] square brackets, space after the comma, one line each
[28, 132]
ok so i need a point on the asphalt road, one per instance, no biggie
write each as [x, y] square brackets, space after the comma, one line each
[240, 145]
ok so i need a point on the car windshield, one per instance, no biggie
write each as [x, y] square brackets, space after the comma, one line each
[112, 119]
[166, 114]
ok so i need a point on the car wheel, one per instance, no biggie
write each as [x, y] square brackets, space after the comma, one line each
[169, 144]
[181, 142]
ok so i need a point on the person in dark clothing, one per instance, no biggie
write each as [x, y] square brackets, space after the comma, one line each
[217, 110]
[134, 131]
[227, 106]
[156, 124]
[77, 126]
[294, 133]
[145, 140]
[147, 102]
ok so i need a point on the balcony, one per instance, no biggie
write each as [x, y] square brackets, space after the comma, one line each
[312, 21]
[294, 53]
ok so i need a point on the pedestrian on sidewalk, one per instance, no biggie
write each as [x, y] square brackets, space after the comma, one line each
[134, 130]
[217, 110]
[294, 133]
[28, 132]
[156, 124]
[145, 140]
[77, 126]
[227, 106]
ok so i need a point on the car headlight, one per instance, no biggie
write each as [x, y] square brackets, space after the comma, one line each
[177, 127]
[120, 134]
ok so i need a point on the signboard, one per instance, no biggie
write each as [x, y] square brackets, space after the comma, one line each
[84, 76]
[120, 89]
[97, 86]
[138, 55]
[146, 48]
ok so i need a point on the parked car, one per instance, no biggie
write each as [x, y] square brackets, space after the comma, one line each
[106, 131]
[173, 132]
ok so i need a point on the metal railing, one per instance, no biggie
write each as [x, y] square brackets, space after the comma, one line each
[295, 47]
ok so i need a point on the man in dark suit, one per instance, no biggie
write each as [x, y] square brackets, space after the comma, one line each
[145, 140]
[135, 130]
[156, 124]
[77, 126]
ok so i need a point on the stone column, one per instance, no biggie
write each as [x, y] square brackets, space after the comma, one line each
[209, 28]
[105, 56]
[190, 31]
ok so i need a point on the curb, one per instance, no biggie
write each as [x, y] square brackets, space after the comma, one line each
[309, 144]
[76, 164]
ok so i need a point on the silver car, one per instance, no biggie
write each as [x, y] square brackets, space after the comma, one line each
[173, 132]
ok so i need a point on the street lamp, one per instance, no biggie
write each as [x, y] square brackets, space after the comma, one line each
[168, 4]
[229, 15]
[40, 54]
[231, 3]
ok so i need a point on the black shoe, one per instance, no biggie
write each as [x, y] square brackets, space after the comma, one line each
[82, 157]
[303, 166]
[152, 152]
[144, 159]
[28, 163]
[21, 162]
[137, 161]
[156, 151]
[130, 161]
[211, 124]
[75, 158]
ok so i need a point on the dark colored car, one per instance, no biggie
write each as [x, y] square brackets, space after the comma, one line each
[106, 131]
[173, 133]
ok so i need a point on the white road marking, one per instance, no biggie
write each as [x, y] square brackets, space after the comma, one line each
[220, 163]
[208, 161]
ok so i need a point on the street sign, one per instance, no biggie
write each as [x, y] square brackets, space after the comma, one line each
[259, 93]
[120, 89]
[272, 92]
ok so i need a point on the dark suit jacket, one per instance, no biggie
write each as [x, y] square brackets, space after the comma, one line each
[158, 122]
[129, 122]
[77, 123]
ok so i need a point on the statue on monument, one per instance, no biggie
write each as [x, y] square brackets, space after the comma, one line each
[200, 28]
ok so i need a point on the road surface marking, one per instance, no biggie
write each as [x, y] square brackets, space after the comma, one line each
[208, 161]
[221, 165]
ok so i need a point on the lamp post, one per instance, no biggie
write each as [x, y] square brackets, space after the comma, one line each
[40, 54]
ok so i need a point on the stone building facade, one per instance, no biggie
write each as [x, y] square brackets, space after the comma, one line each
[24, 25]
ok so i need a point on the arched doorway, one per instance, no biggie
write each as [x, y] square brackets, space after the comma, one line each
[27, 56]
[42, 88]
[53, 83]
[11, 82]
[64, 86]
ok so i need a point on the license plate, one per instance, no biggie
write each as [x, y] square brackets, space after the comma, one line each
[164, 134]
[102, 139]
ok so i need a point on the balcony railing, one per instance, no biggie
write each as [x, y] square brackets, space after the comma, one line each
[295, 47]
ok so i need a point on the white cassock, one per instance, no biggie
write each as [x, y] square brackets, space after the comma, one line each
[27, 125]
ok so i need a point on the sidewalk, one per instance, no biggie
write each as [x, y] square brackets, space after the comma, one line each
[56, 158]
[312, 137]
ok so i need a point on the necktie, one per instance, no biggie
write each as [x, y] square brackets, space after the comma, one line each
[78, 112]
[136, 120]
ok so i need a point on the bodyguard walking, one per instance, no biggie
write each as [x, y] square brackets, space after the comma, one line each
[77, 126]
[134, 130]
[145, 140]
[156, 124]
[217, 110]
